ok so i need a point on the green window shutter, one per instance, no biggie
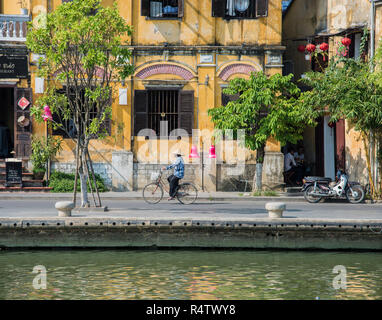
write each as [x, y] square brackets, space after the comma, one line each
[140, 110]
[180, 8]
[218, 8]
[145, 8]
[227, 98]
[186, 111]
[261, 8]
[23, 133]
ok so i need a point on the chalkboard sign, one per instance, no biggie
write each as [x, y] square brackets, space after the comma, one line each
[13, 171]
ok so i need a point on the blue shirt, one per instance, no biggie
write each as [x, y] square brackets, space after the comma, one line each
[179, 167]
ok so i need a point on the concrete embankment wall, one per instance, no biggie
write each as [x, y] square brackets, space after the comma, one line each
[254, 233]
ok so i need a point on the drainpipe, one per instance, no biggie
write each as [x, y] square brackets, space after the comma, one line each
[374, 4]
[372, 148]
[372, 31]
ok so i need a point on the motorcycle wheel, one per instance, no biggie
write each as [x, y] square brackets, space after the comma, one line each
[311, 199]
[356, 196]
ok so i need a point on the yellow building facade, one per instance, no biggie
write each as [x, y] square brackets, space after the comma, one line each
[328, 147]
[184, 53]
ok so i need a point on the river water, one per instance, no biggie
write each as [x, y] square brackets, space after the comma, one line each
[190, 274]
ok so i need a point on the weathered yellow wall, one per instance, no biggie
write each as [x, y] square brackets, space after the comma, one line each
[306, 19]
[378, 25]
[197, 29]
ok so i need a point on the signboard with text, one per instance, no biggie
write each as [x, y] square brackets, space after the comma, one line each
[13, 67]
[13, 171]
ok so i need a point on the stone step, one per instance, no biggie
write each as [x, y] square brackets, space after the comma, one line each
[27, 183]
[25, 189]
[2, 169]
[293, 192]
[27, 176]
[293, 189]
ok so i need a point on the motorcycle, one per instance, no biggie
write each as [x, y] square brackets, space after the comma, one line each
[317, 188]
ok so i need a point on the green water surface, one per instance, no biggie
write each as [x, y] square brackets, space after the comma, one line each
[189, 274]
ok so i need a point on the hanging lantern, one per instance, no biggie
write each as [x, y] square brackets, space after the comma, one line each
[324, 47]
[346, 41]
[301, 48]
[194, 152]
[311, 48]
[212, 153]
[47, 114]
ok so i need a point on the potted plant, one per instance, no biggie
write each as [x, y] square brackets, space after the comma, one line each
[42, 150]
[24, 6]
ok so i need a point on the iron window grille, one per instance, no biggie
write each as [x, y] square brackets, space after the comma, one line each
[171, 106]
[162, 9]
[163, 106]
[240, 9]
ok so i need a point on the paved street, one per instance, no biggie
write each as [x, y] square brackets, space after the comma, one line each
[201, 209]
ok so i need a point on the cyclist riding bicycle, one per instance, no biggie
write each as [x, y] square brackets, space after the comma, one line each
[173, 179]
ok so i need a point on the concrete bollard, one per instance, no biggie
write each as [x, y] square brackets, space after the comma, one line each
[64, 208]
[275, 209]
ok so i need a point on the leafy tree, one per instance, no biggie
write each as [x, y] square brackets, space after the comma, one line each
[42, 150]
[82, 48]
[266, 107]
[348, 90]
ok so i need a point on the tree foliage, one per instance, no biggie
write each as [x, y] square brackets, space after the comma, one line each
[266, 107]
[81, 48]
[83, 52]
[348, 90]
[42, 150]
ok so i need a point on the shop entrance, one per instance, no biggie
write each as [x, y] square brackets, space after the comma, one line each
[15, 122]
[7, 121]
[323, 148]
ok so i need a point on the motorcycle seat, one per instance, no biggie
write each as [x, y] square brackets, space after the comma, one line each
[323, 179]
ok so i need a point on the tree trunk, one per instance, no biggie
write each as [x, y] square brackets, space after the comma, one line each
[94, 178]
[83, 180]
[76, 175]
[366, 147]
[258, 177]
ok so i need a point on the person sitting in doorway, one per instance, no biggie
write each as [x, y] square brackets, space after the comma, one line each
[173, 179]
[299, 158]
[291, 168]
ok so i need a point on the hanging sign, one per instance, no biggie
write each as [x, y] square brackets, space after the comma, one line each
[13, 67]
[206, 58]
[23, 103]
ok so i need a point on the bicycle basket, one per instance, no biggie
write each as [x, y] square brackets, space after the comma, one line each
[155, 176]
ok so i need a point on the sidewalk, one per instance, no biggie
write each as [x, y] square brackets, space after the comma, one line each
[137, 195]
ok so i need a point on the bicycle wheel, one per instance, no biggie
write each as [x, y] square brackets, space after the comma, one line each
[152, 193]
[187, 193]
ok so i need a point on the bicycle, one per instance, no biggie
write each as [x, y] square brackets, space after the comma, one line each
[186, 193]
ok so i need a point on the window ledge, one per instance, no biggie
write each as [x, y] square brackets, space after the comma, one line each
[164, 18]
[242, 18]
